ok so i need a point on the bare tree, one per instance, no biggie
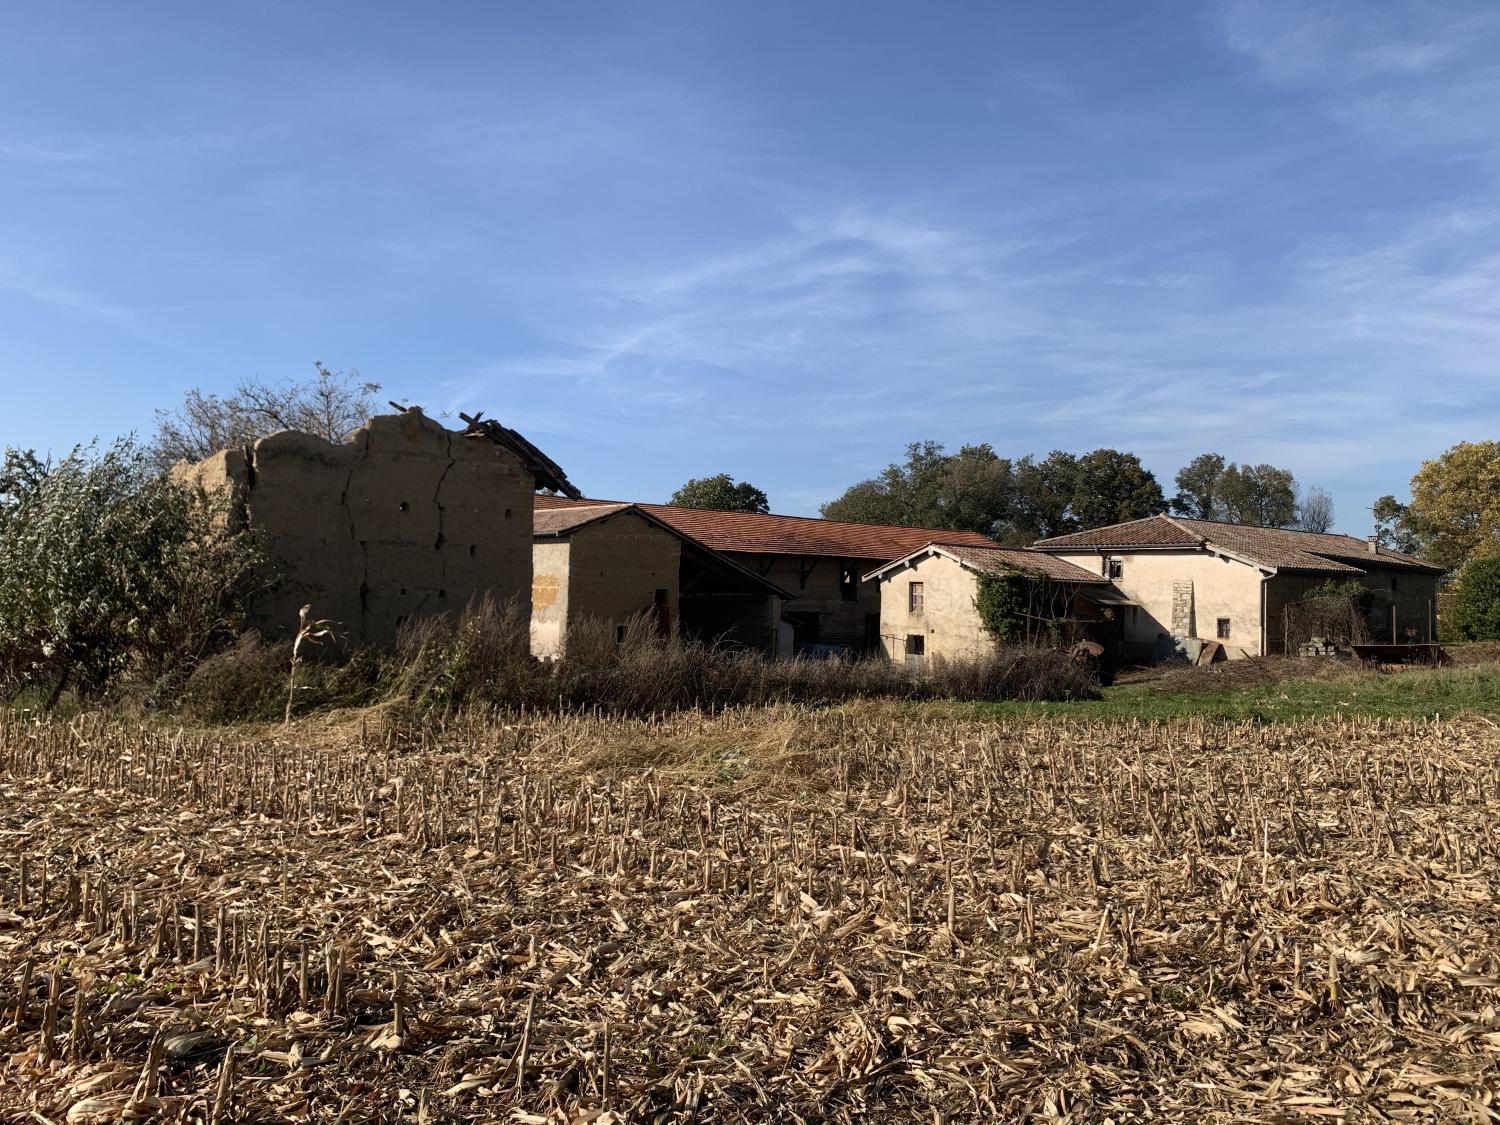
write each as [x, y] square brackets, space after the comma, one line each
[330, 405]
[1315, 510]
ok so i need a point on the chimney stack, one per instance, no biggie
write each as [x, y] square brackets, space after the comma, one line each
[1374, 544]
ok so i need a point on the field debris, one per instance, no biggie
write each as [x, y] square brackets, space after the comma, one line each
[789, 915]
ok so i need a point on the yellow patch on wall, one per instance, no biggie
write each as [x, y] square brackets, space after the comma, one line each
[544, 591]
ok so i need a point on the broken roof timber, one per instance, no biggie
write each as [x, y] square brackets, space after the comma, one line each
[546, 472]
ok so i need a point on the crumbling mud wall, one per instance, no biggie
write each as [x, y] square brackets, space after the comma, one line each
[405, 519]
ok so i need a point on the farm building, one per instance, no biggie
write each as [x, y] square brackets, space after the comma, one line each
[617, 564]
[405, 518]
[930, 602]
[820, 563]
[1229, 583]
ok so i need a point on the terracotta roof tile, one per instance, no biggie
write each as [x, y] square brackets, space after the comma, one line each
[1153, 531]
[560, 521]
[1012, 560]
[1284, 549]
[750, 533]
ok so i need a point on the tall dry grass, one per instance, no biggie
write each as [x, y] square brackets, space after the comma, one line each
[484, 658]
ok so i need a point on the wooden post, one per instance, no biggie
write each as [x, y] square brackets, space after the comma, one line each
[1393, 623]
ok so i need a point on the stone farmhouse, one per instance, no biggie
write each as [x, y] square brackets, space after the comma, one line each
[817, 566]
[406, 518]
[1230, 583]
[929, 601]
[618, 565]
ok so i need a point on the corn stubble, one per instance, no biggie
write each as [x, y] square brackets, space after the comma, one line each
[785, 915]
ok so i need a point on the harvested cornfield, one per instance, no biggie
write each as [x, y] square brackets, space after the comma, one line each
[783, 915]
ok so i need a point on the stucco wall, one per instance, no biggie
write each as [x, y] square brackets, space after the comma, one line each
[817, 588]
[1220, 588]
[617, 565]
[549, 597]
[949, 619]
[406, 518]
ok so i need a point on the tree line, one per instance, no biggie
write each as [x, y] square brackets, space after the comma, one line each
[1019, 500]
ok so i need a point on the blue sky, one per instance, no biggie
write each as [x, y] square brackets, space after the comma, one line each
[777, 240]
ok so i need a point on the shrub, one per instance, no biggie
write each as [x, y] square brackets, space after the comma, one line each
[1478, 608]
[105, 566]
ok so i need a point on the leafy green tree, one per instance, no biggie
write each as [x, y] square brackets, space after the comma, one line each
[968, 490]
[721, 493]
[1043, 498]
[1397, 527]
[976, 489]
[107, 566]
[1211, 488]
[330, 405]
[1198, 495]
[1259, 495]
[1113, 487]
[1478, 609]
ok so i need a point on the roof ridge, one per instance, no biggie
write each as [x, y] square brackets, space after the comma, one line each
[810, 519]
[1173, 520]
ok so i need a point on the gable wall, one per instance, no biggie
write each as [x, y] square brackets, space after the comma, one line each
[616, 567]
[949, 619]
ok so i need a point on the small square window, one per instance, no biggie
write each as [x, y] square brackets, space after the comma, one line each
[916, 644]
[1223, 628]
[1114, 568]
[914, 597]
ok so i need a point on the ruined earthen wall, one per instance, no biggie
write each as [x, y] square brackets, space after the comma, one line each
[405, 519]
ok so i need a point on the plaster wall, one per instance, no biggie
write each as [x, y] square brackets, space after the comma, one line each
[549, 597]
[949, 618]
[1158, 580]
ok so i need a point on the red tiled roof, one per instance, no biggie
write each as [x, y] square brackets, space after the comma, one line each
[1002, 561]
[754, 534]
[1012, 560]
[1153, 531]
[1281, 548]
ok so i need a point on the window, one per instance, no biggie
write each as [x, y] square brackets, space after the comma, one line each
[1223, 628]
[1393, 583]
[619, 634]
[849, 581]
[1114, 568]
[914, 598]
[916, 644]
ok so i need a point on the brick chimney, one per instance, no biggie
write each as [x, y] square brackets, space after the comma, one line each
[1374, 544]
